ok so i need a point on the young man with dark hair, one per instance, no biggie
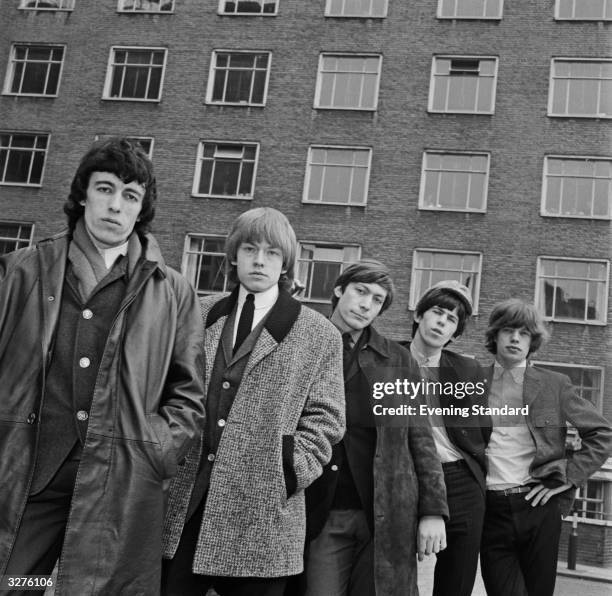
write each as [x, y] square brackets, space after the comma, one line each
[274, 408]
[381, 499]
[100, 386]
[531, 476]
[440, 317]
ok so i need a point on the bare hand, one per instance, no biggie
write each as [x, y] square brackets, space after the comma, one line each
[431, 535]
[540, 495]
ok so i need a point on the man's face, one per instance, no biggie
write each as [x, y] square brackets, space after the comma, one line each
[358, 305]
[112, 208]
[437, 326]
[513, 345]
[258, 265]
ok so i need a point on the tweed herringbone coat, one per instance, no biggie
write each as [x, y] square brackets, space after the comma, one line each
[292, 386]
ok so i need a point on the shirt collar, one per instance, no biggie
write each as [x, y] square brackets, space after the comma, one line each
[516, 372]
[422, 360]
[110, 254]
[264, 299]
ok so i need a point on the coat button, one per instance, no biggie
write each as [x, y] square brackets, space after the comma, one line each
[31, 419]
[84, 362]
[82, 415]
[334, 468]
[221, 422]
[226, 385]
[50, 298]
[87, 314]
[210, 457]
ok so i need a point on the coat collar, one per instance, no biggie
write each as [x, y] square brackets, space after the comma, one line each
[378, 343]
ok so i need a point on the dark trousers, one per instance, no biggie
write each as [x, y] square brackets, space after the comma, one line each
[178, 579]
[41, 533]
[456, 565]
[519, 546]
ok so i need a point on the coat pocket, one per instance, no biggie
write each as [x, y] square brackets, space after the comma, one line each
[164, 437]
[288, 468]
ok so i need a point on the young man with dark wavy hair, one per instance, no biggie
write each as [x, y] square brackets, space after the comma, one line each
[531, 476]
[100, 386]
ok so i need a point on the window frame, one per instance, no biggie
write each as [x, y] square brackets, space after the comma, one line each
[200, 160]
[435, 77]
[328, 13]
[199, 256]
[500, 3]
[44, 152]
[122, 10]
[546, 176]
[111, 65]
[308, 175]
[19, 241]
[553, 78]
[70, 7]
[221, 12]
[539, 298]
[213, 70]
[305, 295]
[423, 182]
[319, 84]
[416, 293]
[582, 501]
[604, 17]
[11, 69]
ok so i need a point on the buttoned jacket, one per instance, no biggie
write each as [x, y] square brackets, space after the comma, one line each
[291, 394]
[146, 407]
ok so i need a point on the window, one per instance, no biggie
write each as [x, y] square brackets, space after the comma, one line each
[34, 70]
[583, 10]
[146, 6]
[587, 380]
[15, 235]
[572, 290]
[204, 263]
[47, 4]
[337, 175]
[249, 7]
[238, 78]
[22, 158]
[347, 82]
[581, 88]
[589, 501]
[470, 9]
[225, 170]
[432, 266]
[463, 85]
[356, 8]
[454, 181]
[135, 74]
[577, 187]
[320, 264]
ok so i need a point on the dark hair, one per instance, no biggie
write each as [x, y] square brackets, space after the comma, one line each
[515, 313]
[444, 299]
[124, 159]
[367, 271]
[256, 225]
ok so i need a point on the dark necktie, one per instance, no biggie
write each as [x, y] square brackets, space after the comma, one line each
[347, 350]
[246, 321]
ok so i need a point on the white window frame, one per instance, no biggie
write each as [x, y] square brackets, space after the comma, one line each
[546, 178]
[32, 151]
[111, 69]
[64, 5]
[326, 165]
[13, 61]
[540, 297]
[555, 78]
[334, 74]
[200, 161]
[424, 174]
[214, 69]
[483, 16]
[236, 13]
[418, 288]
[347, 259]
[582, 502]
[606, 12]
[19, 240]
[436, 78]
[556, 366]
[189, 254]
[150, 10]
[347, 11]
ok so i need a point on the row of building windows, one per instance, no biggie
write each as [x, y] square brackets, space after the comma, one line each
[579, 87]
[599, 10]
[572, 186]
